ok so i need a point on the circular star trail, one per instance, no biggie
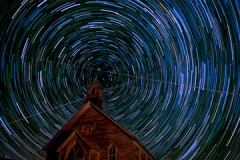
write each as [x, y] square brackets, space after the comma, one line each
[170, 71]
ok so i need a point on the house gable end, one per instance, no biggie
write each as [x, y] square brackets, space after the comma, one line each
[127, 133]
[73, 137]
[62, 134]
[88, 149]
[87, 124]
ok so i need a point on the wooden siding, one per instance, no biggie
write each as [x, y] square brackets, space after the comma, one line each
[94, 155]
[97, 132]
[105, 133]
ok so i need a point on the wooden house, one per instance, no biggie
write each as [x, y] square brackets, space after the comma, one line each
[92, 135]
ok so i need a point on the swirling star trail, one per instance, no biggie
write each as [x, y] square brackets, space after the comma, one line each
[170, 71]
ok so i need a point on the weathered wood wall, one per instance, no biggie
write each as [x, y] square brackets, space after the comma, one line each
[105, 133]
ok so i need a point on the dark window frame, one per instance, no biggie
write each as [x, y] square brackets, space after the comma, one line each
[112, 152]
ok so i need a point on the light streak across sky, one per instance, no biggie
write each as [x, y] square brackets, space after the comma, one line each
[170, 71]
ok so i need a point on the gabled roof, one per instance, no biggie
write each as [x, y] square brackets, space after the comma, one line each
[80, 136]
[67, 126]
[79, 114]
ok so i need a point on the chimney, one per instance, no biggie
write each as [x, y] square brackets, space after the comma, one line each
[95, 93]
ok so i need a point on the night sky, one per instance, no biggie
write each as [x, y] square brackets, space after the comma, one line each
[170, 71]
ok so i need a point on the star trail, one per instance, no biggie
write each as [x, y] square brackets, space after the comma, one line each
[170, 71]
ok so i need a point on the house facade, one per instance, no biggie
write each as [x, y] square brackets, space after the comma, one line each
[92, 135]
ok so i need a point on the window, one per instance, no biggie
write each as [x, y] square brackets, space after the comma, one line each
[76, 152]
[112, 152]
[93, 92]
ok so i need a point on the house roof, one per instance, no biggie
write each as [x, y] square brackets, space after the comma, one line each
[82, 137]
[74, 119]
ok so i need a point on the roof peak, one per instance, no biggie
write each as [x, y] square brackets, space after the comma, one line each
[96, 80]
